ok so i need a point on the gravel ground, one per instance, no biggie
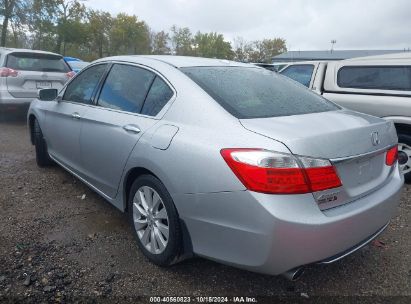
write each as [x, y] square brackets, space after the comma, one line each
[59, 242]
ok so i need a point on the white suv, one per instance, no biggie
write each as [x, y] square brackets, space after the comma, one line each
[376, 85]
[24, 72]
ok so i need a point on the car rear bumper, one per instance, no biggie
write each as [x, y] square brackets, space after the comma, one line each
[12, 105]
[353, 249]
[6, 99]
[15, 102]
[275, 233]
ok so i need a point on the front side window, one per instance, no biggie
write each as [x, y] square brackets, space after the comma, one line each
[126, 88]
[256, 93]
[82, 87]
[37, 62]
[301, 73]
[396, 78]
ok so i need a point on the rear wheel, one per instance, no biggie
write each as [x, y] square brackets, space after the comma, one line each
[155, 221]
[404, 145]
[42, 156]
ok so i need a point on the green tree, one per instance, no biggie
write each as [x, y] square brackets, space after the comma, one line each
[259, 50]
[242, 49]
[160, 43]
[14, 13]
[99, 26]
[70, 18]
[212, 45]
[182, 41]
[265, 50]
[128, 35]
[41, 24]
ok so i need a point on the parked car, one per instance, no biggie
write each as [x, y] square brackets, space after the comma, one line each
[222, 160]
[77, 66]
[376, 85]
[24, 72]
[68, 59]
[275, 67]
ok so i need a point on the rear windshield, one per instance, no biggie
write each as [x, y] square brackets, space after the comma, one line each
[36, 62]
[256, 93]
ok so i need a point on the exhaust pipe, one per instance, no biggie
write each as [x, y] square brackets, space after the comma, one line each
[293, 274]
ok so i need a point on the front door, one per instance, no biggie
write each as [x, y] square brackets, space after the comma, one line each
[64, 118]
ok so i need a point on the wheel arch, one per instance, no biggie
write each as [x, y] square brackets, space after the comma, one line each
[403, 128]
[131, 176]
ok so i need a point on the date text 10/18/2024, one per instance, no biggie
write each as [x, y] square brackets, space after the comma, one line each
[203, 300]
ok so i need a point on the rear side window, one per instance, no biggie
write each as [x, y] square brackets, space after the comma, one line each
[82, 87]
[160, 93]
[126, 88]
[37, 62]
[256, 93]
[375, 77]
[301, 73]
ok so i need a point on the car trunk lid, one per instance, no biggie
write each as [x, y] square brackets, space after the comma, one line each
[355, 143]
[27, 83]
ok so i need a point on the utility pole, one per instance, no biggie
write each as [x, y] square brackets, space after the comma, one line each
[332, 44]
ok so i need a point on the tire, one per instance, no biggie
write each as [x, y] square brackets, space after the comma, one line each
[404, 142]
[42, 156]
[154, 221]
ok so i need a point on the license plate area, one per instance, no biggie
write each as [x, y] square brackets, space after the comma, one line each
[363, 174]
[43, 84]
[365, 170]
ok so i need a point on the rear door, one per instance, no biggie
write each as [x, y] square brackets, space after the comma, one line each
[64, 117]
[35, 71]
[127, 106]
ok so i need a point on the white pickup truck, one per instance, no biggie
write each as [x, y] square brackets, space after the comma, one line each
[376, 85]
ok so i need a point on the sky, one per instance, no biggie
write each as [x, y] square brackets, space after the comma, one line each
[304, 24]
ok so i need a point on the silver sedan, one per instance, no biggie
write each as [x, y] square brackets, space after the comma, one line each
[222, 160]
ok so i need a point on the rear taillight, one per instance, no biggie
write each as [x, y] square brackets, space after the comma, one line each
[7, 72]
[71, 74]
[392, 156]
[271, 172]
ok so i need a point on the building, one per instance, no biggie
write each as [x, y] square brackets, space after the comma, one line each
[292, 56]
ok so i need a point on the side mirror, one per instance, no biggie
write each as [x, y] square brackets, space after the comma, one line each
[48, 94]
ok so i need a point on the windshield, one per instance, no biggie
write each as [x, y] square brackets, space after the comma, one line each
[256, 93]
[37, 62]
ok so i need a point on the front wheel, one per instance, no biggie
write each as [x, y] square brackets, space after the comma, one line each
[404, 146]
[155, 221]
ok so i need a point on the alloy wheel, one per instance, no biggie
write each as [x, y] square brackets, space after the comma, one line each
[150, 220]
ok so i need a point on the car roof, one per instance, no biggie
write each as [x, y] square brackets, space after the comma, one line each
[14, 50]
[307, 62]
[394, 56]
[177, 61]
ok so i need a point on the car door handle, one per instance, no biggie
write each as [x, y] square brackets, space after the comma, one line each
[75, 115]
[132, 129]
